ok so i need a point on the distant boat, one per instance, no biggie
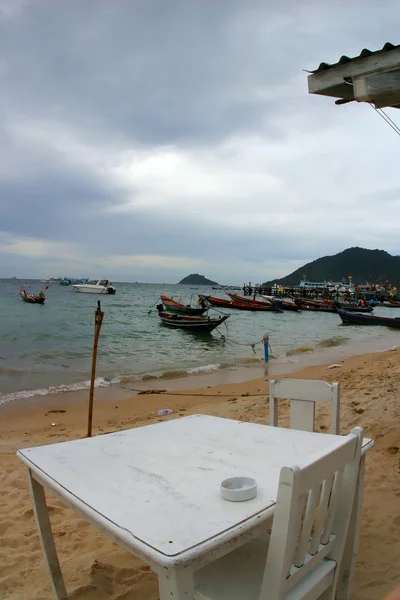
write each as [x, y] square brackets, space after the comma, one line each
[102, 286]
[315, 305]
[73, 280]
[51, 280]
[282, 303]
[222, 303]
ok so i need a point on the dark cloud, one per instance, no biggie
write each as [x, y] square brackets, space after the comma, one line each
[90, 91]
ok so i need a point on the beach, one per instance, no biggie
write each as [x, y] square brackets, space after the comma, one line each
[94, 568]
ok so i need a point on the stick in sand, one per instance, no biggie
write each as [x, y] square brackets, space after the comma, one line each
[98, 320]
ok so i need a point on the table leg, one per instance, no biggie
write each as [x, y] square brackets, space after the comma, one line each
[349, 559]
[46, 537]
[176, 584]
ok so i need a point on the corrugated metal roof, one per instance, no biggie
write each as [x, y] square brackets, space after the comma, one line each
[363, 54]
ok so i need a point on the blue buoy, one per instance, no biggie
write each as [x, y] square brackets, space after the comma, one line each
[266, 348]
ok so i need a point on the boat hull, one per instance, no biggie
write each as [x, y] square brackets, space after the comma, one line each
[83, 289]
[350, 318]
[185, 309]
[222, 303]
[201, 324]
[323, 307]
[244, 300]
[357, 309]
[34, 300]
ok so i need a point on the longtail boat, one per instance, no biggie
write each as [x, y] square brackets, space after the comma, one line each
[283, 304]
[391, 304]
[359, 308]
[316, 306]
[184, 309]
[350, 318]
[247, 300]
[222, 303]
[32, 298]
[202, 324]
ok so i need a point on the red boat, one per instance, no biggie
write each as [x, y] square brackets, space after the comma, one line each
[316, 306]
[222, 303]
[392, 303]
[281, 303]
[32, 298]
[247, 300]
[277, 303]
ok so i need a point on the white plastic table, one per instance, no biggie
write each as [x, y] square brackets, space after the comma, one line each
[155, 490]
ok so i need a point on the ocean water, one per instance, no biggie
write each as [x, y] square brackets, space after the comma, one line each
[48, 348]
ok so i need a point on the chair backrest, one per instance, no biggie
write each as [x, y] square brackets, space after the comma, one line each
[311, 519]
[303, 393]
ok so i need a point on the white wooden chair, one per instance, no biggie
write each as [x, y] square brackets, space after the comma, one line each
[303, 394]
[308, 536]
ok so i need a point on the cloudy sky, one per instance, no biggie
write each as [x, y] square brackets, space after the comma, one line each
[142, 140]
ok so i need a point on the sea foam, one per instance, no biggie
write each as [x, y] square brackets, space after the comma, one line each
[72, 387]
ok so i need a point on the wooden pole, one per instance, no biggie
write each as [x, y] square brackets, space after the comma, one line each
[98, 320]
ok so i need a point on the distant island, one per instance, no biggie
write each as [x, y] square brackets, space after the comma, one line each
[196, 279]
[360, 264]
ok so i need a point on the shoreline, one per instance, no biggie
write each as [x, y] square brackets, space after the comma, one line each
[143, 402]
[120, 391]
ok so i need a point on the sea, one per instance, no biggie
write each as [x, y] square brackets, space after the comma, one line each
[47, 349]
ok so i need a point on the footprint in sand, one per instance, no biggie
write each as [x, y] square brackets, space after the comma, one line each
[4, 525]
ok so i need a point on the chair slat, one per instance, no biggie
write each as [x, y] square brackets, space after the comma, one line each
[304, 542]
[321, 517]
[333, 503]
[297, 527]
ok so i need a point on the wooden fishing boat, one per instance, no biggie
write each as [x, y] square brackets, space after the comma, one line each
[222, 303]
[247, 300]
[314, 302]
[315, 306]
[184, 309]
[283, 304]
[351, 318]
[391, 304]
[202, 324]
[355, 308]
[32, 298]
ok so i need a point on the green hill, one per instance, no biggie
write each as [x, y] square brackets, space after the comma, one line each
[195, 279]
[360, 263]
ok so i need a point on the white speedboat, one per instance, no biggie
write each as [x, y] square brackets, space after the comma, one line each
[102, 286]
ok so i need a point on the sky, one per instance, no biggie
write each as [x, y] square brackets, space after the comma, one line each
[143, 140]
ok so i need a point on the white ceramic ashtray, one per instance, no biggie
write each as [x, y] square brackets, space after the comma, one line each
[239, 489]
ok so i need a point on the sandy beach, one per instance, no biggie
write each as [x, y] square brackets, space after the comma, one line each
[95, 569]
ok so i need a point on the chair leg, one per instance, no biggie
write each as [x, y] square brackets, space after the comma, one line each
[176, 584]
[349, 559]
[46, 537]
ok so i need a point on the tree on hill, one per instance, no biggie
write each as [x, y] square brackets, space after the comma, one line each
[359, 263]
[196, 279]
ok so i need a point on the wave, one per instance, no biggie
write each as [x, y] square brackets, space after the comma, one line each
[173, 374]
[299, 350]
[332, 342]
[59, 389]
[204, 369]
